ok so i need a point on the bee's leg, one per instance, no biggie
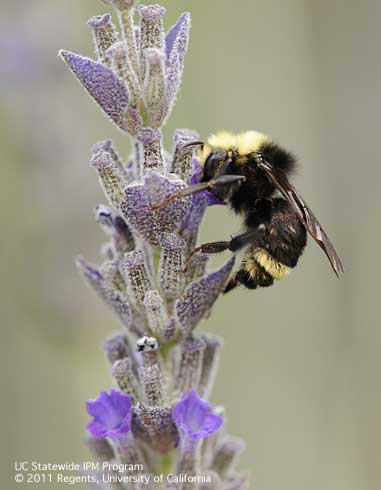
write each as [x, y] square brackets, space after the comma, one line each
[241, 241]
[233, 283]
[213, 184]
[207, 248]
[212, 248]
[235, 244]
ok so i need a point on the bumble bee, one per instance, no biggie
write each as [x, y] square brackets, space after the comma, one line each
[251, 173]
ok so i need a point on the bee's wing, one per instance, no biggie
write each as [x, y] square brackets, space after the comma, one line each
[305, 215]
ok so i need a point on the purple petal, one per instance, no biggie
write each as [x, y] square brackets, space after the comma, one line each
[212, 423]
[192, 415]
[111, 412]
[119, 401]
[96, 429]
[100, 406]
[102, 84]
[200, 296]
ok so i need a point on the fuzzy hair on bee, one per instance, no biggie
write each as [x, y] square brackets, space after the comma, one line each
[251, 173]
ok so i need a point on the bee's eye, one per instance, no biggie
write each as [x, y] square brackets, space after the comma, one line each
[213, 163]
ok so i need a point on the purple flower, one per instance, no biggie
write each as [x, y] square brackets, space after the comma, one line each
[111, 414]
[193, 417]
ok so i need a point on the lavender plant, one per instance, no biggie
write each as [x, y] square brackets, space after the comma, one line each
[157, 421]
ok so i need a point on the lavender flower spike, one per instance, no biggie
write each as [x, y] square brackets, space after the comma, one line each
[160, 367]
[193, 417]
[111, 414]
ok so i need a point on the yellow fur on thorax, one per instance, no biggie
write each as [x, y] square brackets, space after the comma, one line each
[243, 143]
[276, 269]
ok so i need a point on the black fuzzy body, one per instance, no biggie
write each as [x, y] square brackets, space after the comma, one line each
[281, 236]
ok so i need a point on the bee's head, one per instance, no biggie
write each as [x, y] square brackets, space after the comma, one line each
[216, 163]
[213, 160]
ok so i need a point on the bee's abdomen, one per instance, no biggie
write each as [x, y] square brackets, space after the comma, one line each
[254, 278]
[272, 266]
[263, 268]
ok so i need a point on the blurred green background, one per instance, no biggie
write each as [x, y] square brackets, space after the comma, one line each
[300, 372]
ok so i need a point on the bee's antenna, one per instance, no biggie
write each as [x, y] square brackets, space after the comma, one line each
[193, 143]
[222, 181]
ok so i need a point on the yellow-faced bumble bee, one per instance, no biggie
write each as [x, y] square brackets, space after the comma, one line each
[250, 172]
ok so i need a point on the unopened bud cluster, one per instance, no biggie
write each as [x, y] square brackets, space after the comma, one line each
[157, 414]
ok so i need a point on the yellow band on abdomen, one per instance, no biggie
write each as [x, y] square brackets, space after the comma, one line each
[276, 269]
